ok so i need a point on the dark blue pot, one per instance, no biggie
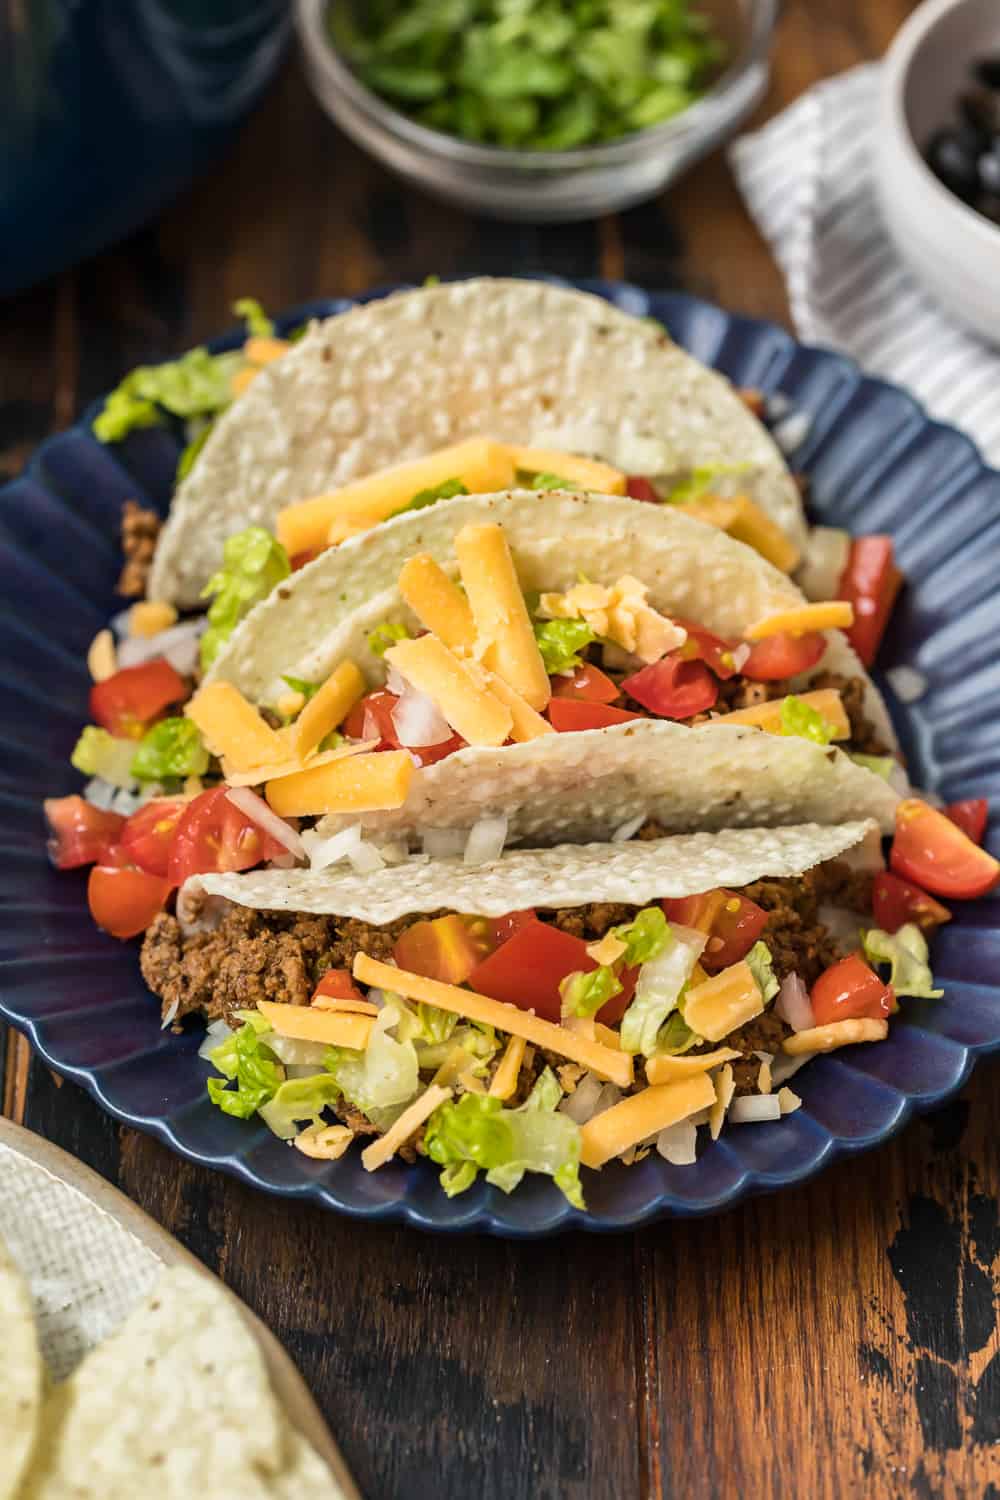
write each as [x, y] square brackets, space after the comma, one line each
[109, 107]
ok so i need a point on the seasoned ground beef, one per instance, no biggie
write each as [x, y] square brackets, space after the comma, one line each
[864, 736]
[593, 921]
[139, 531]
[798, 941]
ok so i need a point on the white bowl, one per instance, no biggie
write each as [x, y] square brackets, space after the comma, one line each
[951, 249]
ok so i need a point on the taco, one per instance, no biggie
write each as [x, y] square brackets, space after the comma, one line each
[506, 362]
[555, 1007]
[706, 692]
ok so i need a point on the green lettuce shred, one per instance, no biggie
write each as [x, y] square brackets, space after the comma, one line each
[879, 765]
[675, 1036]
[546, 480]
[172, 748]
[807, 723]
[645, 937]
[259, 325]
[253, 563]
[188, 454]
[658, 992]
[98, 753]
[385, 635]
[584, 994]
[384, 1078]
[199, 384]
[762, 969]
[443, 491]
[298, 1103]
[907, 954]
[244, 1059]
[476, 1133]
[560, 643]
[699, 482]
[301, 685]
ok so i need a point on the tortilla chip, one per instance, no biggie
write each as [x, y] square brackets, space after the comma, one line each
[21, 1377]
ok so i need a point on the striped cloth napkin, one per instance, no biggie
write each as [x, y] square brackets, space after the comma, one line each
[808, 182]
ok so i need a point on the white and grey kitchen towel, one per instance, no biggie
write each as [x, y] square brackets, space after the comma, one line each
[807, 179]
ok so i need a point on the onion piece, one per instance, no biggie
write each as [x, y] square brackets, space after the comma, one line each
[395, 682]
[324, 852]
[487, 837]
[581, 1103]
[365, 858]
[100, 793]
[418, 721]
[439, 843]
[753, 1109]
[677, 1144]
[741, 655]
[625, 831]
[179, 645]
[170, 1013]
[257, 810]
[792, 431]
[216, 1033]
[907, 683]
[793, 1005]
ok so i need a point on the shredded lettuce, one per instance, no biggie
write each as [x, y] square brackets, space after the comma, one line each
[299, 1102]
[188, 455]
[385, 635]
[657, 992]
[879, 765]
[549, 481]
[907, 954]
[645, 937]
[98, 753]
[476, 1133]
[384, 1078]
[801, 719]
[173, 747]
[762, 969]
[700, 481]
[253, 563]
[246, 1060]
[259, 325]
[300, 685]
[676, 1036]
[423, 1023]
[443, 491]
[199, 384]
[584, 994]
[561, 641]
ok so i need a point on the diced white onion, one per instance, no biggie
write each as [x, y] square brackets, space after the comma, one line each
[418, 721]
[677, 1144]
[751, 1109]
[741, 655]
[394, 680]
[487, 837]
[793, 1005]
[610, 1095]
[581, 1103]
[825, 559]
[907, 683]
[170, 1013]
[365, 859]
[792, 431]
[282, 862]
[393, 851]
[439, 843]
[179, 645]
[628, 830]
[100, 793]
[324, 852]
[119, 623]
[266, 818]
[215, 1035]
[777, 405]
[785, 1067]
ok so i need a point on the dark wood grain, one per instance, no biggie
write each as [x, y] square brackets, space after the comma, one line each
[836, 1341]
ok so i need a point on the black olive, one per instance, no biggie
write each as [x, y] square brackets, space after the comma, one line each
[987, 72]
[981, 109]
[989, 171]
[953, 164]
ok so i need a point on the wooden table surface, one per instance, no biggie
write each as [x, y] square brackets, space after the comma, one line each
[838, 1340]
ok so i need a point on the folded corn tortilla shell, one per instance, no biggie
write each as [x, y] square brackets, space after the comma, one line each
[177, 1403]
[520, 361]
[21, 1377]
[324, 613]
[567, 875]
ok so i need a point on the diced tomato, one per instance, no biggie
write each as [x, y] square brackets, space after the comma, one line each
[753, 399]
[124, 901]
[215, 835]
[713, 650]
[570, 715]
[895, 901]
[588, 683]
[698, 912]
[148, 834]
[970, 816]
[505, 927]
[673, 688]
[783, 655]
[639, 487]
[124, 703]
[301, 558]
[870, 581]
[79, 833]
[444, 948]
[528, 968]
[738, 924]
[932, 851]
[850, 989]
[337, 984]
[372, 715]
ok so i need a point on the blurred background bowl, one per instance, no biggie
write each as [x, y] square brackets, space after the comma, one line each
[953, 250]
[109, 107]
[546, 186]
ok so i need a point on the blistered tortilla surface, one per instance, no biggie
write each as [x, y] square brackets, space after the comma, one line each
[20, 1376]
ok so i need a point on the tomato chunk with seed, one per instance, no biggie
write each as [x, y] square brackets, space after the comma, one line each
[697, 912]
[738, 924]
[783, 655]
[528, 968]
[587, 683]
[572, 715]
[79, 832]
[149, 833]
[337, 984]
[443, 948]
[870, 582]
[703, 645]
[505, 927]
[124, 901]
[124, 703]
[970, 816]
[213, 835]
[639, 487]
[371, 718]
[849, 990]
[933, 852]
[673, 688]
[895, 901]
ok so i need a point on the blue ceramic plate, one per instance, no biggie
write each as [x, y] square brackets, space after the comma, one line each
[876, 463]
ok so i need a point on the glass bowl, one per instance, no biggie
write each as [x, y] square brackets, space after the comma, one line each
[546, 186]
